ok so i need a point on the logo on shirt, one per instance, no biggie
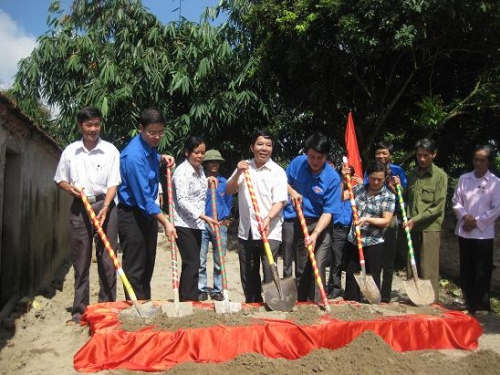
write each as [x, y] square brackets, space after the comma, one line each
[317, 189]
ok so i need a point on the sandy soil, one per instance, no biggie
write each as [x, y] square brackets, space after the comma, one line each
[35, 339]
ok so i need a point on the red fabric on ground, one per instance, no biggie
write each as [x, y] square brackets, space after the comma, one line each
[153, 350]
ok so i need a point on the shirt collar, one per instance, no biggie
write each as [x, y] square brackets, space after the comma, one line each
[266, 165]
[147, 150]
[487, 176]
[98, 146]
[429, 170]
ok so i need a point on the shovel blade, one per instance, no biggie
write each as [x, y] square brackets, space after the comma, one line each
[420, 291]
[146, 310]
[227, 307]
[177, 309]
[368, 288]
[277, 302]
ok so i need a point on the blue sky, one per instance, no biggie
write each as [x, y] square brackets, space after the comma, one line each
[23, 21]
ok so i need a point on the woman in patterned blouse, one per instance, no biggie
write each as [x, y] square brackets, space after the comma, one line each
[375, 204]
[190, 192]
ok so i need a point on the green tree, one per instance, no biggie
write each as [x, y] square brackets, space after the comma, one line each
[407, 69]
[115, 55]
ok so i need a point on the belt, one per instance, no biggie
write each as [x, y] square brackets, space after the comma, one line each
[311, 220]
[289, 220]
[125, 207]
[344, 227]
[98, 198]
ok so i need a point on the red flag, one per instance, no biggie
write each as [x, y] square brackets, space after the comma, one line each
[351, 144]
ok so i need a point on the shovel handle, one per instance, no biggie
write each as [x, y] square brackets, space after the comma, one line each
[218, 240]
[411, 253]
[312, 257]
[173, 245]
[356, 224]
[107, 246]
[258, 217]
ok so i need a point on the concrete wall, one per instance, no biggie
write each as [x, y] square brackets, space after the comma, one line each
[449, 257]
[33, 212]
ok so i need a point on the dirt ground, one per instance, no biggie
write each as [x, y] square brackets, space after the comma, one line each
[35, 339]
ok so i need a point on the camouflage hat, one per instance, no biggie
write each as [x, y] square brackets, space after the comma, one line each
[213, 155]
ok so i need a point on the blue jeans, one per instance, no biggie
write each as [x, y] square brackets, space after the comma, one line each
[207, 235]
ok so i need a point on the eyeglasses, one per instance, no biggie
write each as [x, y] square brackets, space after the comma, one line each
[161, 133]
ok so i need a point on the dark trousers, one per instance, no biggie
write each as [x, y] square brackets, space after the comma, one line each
[82, 235]
[373, 262]
[337, 257]
[251, 253]
[189, 244]
[307, 288]
[287, 248]
[389, 258]
[138, 239]
[476, 267]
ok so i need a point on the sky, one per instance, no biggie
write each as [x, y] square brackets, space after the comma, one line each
[23, 21]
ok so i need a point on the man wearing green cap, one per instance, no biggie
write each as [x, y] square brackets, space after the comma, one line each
[223, 202]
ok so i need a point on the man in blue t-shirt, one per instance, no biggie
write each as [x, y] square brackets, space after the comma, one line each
[383, 153]
[223, 201]
[316, 186]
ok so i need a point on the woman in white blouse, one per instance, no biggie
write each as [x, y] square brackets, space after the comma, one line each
[476, 203]
[190, 192]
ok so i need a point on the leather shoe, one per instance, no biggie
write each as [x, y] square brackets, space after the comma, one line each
[202, 296]
[218, 297]
[335, 294]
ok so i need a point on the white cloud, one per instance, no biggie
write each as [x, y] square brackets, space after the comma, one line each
[15, 44]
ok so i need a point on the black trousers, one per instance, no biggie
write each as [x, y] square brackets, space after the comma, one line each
[287, 248]
[337, 257]
[251, 253]
[373, 262]
[307, 288]
[189, 245]
[389, 258]
[82, 235]
[138, 239]
[476, 267]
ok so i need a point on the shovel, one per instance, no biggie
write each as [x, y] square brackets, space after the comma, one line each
[178, 309]
[226, 306]
[365, 282]
[420, 291]
[312, 257]
[112, 255]
[280, 295]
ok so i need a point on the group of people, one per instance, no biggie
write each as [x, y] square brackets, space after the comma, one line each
[123, 190]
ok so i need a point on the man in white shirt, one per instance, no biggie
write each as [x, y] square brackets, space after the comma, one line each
[270, 184]
[93, 165]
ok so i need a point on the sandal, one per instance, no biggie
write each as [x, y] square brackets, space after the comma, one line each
[73, 321]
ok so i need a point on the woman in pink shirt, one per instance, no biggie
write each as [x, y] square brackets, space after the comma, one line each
[476, 203]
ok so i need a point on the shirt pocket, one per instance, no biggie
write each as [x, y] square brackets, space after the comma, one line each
[428, 194]
[317, 196]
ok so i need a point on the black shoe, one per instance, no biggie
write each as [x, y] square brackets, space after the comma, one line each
[202, 296]
[217, 297]
[336, 293]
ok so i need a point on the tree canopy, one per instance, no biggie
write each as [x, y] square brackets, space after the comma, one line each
[407, 69]
[117, 56]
